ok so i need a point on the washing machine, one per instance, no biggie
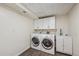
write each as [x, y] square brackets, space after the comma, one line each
[48, 43]
[35, 41]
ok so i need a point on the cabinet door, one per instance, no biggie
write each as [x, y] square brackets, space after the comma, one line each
[59, 43]
[68, 45]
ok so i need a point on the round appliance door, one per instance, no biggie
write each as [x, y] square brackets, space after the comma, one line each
[35, 41]
[47, 43]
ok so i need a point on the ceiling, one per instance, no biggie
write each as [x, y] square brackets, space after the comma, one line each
[47, 9]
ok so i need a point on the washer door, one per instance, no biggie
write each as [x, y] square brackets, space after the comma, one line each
[47, 44]
[35, 41]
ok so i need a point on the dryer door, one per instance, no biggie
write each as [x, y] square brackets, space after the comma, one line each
[47, 43]
[35, 41]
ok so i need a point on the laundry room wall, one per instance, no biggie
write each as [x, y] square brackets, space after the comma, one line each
[74, 28]
[62, 23]
[14, 32]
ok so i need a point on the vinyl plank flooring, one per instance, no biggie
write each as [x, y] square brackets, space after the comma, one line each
[34, 52]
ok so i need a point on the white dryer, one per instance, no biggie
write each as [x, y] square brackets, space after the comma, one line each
[48, 43]
[35, 41]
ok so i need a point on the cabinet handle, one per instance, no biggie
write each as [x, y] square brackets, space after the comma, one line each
[63, 44]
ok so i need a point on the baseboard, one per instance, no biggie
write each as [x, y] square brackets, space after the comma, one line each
[21, 52]
[64, 53]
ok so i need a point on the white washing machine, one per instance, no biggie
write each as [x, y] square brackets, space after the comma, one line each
[48, 43]
[35, 41]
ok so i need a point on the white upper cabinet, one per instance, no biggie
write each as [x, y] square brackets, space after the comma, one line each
[45, 23]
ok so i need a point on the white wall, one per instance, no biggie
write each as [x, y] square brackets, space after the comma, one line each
[14, 32]
[62, 22]
[74, 28]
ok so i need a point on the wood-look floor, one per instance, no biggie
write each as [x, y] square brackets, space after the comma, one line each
[34, 52]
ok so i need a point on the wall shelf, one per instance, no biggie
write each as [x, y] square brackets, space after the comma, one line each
[45, 30]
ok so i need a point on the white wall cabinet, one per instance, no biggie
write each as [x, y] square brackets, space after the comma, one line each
[64, 44]
[45, 23]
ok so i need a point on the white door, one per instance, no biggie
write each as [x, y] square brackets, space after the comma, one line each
[68, 45]
[59, 43]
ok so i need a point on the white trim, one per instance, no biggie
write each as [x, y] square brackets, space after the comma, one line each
[21, 51]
